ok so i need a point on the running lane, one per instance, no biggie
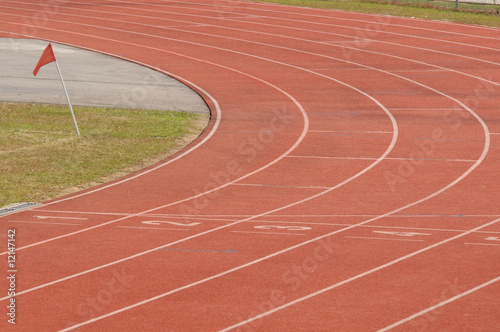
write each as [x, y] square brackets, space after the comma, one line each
[347, 179]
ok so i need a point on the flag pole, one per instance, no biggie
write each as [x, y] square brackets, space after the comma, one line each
[67, 97]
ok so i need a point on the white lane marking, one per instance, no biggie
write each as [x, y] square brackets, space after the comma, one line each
[382, 238]
[407, 234]
[274, 233]
[372, 158]
[484, 244]
[43, 222]
[454, 298]
[351, 132]
[289, 228]
[84, 212]
[208, 216]
[283, 186]
[159, 222]
[53, 217]
[163, 229]
[425, 109]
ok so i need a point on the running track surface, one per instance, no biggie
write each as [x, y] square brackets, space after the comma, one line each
[348, 180]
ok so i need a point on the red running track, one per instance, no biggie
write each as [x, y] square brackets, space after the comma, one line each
[348, 180]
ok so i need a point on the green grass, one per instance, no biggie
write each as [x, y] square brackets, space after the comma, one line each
[41, 157]
[424, 9]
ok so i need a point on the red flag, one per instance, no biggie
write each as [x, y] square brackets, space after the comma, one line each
[47, 57]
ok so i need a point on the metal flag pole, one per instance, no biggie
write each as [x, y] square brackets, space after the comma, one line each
[67, 97]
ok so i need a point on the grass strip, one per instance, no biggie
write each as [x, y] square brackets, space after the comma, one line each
[41, 157]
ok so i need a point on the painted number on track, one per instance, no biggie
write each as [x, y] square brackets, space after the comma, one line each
[287, 228]
[400, 233]
[159, 222]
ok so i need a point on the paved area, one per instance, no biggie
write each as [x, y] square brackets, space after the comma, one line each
[91, 78]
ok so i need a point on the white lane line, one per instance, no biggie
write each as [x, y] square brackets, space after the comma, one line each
[43, 222]
[343, 69]
[484, 244]
[163, 229]
[454, 298]
[208, 216]
[426, 109]
[267, 233]
[381, 267]
[382, 238]
[417, 71]
[84, 212]
[388, 158]
[53, 217]
[278, 186]
[349, 132]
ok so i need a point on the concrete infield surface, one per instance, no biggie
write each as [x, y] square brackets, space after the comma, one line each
[92, 79]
